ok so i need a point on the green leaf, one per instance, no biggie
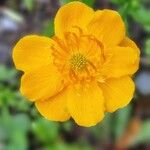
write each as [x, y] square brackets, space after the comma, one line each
[20, 126]
[18, 142]
[13, 99]
[29, 4]
[67, 126]
[22, 122]
[144, 134]
[89, 2]
[48, 28]
[102, 131]
[141, 16]
[147, 47]
[60, 145]
[120, 121]
[7, 73]
[120, 2]
[45, 130]
[14, 130]
[62, 2]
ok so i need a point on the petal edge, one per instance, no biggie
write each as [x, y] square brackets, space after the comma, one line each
[72, 14]
[85, 104]
[117, 92]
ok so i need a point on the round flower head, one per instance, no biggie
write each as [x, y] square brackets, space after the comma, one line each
[84, 70]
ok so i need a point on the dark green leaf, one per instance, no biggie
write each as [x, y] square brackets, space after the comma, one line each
[49, 28]
[120, 121]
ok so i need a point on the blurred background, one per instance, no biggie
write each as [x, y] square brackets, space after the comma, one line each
[21, 126]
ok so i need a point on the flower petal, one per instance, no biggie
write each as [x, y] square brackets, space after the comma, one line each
[54, 108]
[71, 15]
[85, 104]
[108, 27]
[117, 92]
[127, 42]
[41, 84]
[121, 61]
[32, 52]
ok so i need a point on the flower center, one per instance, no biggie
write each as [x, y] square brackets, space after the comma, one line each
[78, 61]
[78, 57]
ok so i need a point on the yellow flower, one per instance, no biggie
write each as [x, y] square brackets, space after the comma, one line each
[84, 70]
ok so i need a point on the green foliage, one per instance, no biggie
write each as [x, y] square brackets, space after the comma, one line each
[63, 146]
[6, 73]
[29, 4]
[134, 9]
[103, 130]
[46, 131]
[141, 15]
[62, 2]
[67, 126]
[48, 28]
[113, 124]
[13, 130]
[88, 2]
[120, 121]
[147, 47]
[143, 135]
